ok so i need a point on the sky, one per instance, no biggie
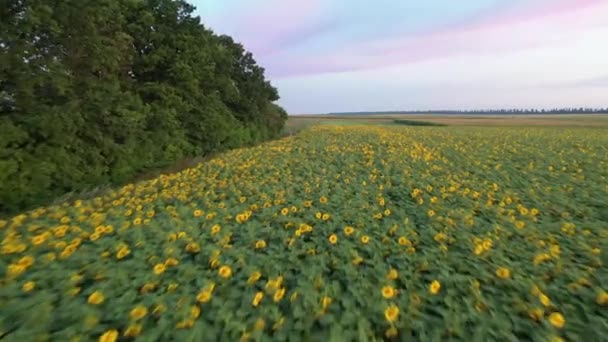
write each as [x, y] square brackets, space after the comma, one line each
[372, 55]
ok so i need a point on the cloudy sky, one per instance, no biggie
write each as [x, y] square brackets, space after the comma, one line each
[361, 55]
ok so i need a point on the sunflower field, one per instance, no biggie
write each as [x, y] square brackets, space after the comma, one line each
[338, 233]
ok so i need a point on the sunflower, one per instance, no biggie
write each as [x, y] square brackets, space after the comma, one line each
[96, 298]
[503, 273]
[193, 248]
[109, 336]
[171, 262]
[225, 271]
[159, 269]
[391, 313]
[259, 324]
[260, 244]
[602, 298]
[215, 229]
[403, 241]
[391, 332]
[38, 239]
[279, 294]
[138, 312]
[28, 286]
[257, 298]
[388, 292]
[122, 253]
[435, 287]
[195, 311]
[325, 302]
[133, 330]
[255, 276]
[204, 296]
[544, 299]
[536, 314]
[557, 320]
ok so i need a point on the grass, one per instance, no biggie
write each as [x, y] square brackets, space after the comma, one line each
[352, 232]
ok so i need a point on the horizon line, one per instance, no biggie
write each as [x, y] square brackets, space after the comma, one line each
[509, 111]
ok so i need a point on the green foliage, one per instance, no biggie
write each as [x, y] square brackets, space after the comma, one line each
[415, 123]
[94, 91]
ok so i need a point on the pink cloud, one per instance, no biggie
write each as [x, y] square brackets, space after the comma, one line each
[516, 28]
[529, 11]
[276, 23]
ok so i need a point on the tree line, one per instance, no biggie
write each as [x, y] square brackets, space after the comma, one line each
[95, 91]
[488, 111]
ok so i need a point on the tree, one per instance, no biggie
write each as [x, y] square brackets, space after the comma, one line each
[94, 91]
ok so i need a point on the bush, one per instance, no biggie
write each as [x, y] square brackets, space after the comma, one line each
[416, 123]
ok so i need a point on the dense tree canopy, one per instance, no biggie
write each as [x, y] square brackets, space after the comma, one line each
[93, 91]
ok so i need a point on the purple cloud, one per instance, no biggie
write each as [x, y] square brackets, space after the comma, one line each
[274, 24]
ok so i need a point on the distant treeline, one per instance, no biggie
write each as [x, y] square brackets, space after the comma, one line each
[486, 111]
[95, 91]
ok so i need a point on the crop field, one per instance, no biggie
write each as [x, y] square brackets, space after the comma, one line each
[296, 122]
[338, 233]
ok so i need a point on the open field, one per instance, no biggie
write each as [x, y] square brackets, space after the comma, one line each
[583, 120]
[341, 232]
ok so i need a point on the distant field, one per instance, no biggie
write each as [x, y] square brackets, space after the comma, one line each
[588, 120]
